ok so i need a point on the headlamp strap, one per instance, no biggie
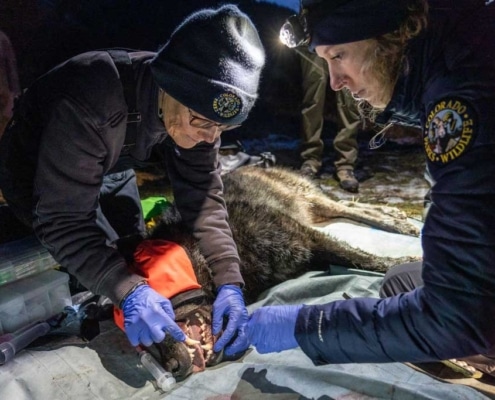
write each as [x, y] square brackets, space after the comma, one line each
[314, 11]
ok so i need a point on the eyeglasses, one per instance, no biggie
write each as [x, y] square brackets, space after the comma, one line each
[204, 123]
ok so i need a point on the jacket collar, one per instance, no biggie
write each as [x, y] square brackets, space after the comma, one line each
[405, 106]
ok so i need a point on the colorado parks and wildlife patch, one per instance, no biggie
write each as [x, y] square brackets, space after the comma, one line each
[227, 105]
[449, 130]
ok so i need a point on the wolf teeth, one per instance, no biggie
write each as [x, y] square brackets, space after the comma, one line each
[191, 342]
[200, 318]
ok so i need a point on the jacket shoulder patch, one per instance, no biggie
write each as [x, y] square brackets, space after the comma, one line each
[449, 130]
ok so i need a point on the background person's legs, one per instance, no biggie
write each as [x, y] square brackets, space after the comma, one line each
[314, 87]
[345, 142]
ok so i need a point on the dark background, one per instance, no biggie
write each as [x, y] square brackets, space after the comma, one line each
[46, 32]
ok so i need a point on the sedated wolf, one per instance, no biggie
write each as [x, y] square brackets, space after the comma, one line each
[271, 213]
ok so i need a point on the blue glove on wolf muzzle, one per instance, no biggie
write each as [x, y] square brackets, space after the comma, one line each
[229, 303]
[148, 316]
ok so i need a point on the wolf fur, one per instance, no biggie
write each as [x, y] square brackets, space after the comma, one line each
[271, 213]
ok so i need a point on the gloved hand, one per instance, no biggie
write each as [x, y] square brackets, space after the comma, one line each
[148, 316]
[271, 328]
[230, 303]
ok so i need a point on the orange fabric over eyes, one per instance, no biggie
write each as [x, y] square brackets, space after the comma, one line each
[167, 268]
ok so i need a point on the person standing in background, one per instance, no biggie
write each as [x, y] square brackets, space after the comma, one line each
[314, 85]
[9, 80]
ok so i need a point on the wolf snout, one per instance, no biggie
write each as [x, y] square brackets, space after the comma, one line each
[185, 358]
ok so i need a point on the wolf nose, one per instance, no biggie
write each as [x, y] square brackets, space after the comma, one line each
[172, 364]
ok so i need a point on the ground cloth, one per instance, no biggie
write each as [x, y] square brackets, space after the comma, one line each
[108, 367]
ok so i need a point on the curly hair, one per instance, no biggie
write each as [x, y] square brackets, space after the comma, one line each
[386, 61]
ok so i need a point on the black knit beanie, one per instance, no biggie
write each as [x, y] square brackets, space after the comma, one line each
[212, 64]
[335, 21]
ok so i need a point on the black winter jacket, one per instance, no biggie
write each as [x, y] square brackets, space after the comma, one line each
[76, 116]
[448, 91]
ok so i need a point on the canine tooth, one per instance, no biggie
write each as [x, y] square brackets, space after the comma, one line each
[207, 347]
[191, 351]
[191, 342]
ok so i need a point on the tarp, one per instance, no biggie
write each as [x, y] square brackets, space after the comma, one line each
[108, 367]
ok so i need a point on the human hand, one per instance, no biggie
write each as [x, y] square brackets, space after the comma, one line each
[271, 328]
[148, 316]
[230, 303]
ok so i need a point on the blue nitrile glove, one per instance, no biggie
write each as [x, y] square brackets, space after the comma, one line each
[148, 316]
[271, 328]
[229, 303]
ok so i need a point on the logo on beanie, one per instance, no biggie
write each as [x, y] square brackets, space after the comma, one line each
[449, 130]
[227, 105]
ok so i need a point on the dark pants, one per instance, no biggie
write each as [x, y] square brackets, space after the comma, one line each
[402, 278]
[120, 211]
[18, 149]
[119, 214]
[11, 228]
[406, 277]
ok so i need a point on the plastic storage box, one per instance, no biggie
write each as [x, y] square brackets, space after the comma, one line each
[23, 257]
[37, 297]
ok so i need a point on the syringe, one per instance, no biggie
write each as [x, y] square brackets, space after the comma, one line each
[165, 380]
[12, 343]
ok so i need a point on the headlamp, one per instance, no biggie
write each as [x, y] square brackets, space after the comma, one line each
[294, 31]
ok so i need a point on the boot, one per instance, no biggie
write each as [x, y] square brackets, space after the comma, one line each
[310, 168]
[347, 180]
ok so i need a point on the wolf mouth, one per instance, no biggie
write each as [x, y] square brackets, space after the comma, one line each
[195, 354]
[197, 326]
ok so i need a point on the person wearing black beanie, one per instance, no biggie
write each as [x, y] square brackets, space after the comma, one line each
[431, 65]
[68, 155]
[212, 64]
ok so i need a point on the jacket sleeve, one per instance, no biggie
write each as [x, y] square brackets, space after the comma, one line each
[451, 315]
[75, 151]
[198, 193]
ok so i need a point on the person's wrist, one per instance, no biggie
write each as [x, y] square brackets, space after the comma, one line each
[231, 286]
[133, 289]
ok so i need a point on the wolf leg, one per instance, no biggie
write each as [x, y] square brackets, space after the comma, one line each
[325, 209]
